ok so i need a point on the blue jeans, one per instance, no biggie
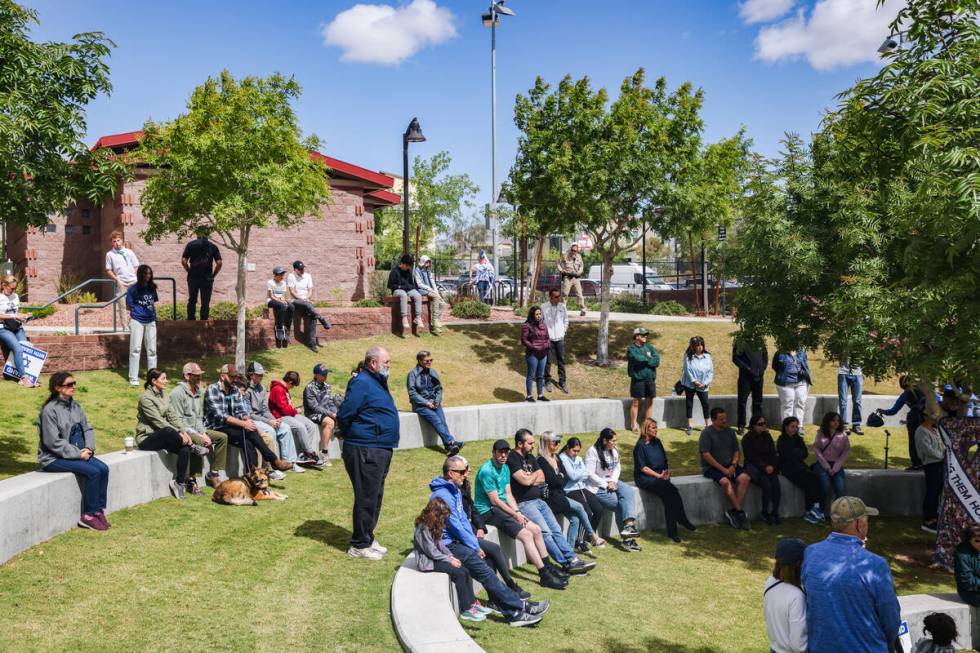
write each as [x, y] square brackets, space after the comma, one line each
[506, 600]
[855, 384]
[483, 289]
[578, 516]
[535, 372]
[12, 340]
[828, 480]
[437, 419]
[284, 436]
[621, 501]
[96, 475]
[538, 511]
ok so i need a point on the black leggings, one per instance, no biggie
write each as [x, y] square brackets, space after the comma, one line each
[496, 561]
[934, 488]
[592, 506]
[809, 482]
[238, 436]
[168, 439]
[769, 484]
[671, 498]
[689, 402]
[461, 580]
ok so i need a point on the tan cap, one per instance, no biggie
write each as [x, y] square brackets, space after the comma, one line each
[193, 368]
[847, 509]
[228, 368]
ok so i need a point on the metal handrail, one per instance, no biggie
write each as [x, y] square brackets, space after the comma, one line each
[115, 300]
[115, 287]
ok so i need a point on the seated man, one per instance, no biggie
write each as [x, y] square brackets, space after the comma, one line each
[459, 538]
[304, 430]
[300, 285]
[425, 393]
[427, 288]
[496, 505]
[223, 411]
[258, 400]
[401, 283]
[320, 407]
[187, 401]
[528, 490]
[719, 462]
[266, 432]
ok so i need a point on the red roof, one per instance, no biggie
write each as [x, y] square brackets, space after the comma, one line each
[383, 198]
[337, 167]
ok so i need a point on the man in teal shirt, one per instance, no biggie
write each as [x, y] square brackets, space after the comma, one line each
[642, 361]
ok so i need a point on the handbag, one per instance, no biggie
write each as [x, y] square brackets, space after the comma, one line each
[678, 388]
[12, 324]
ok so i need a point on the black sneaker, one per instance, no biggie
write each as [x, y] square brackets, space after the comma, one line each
[519, 591]
[543, 398]
[766, 518]
[629, 531]
[536, 607]
[556, 570]
[732, 520]
[688, 525]
[857, 429]
[632, 546]
[530, 399]
[524, 618]
[582, 547]
[776, 520]
[676, 538]
[575, 567]
[743, 520]
[564, 387]
[548, 579]
[452, 450]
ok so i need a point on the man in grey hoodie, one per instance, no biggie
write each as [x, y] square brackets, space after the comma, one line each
[258, 399]
[320, 407]
[425, 393]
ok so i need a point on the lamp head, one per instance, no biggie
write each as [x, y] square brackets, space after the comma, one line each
[888, 45]
[499, 8]
[414, 132]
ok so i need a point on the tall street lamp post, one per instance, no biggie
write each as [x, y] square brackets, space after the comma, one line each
[412, 135]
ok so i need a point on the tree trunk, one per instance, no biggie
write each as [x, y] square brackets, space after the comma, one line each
[539, 253]
[240, 296]
[694, 273]
[523, 259]
[602, 345]
[418, 237]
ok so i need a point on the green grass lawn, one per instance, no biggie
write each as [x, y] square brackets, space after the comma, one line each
[189, 576]
[478, 364]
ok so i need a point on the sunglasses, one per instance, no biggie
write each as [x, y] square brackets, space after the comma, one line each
[70, 384]
[461, 471]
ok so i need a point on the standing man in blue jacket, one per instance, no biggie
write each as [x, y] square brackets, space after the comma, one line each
[369, 422]
[425, 393]
[850, 597]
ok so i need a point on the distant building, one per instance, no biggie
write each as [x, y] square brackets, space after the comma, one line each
[338, 249]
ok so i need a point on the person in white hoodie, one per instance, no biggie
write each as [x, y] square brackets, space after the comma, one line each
[602, 463]
[783, 600]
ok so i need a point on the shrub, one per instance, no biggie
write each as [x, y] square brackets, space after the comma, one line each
[378, 286]
[626, 303]
[668, 307]
[40, 313]
[471, 310]
[165, 312]
[367, 303]
[219, 311]
[68, 281]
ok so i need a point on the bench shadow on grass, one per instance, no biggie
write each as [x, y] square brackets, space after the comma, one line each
[650, 644]
[12, 463]
[325, 532]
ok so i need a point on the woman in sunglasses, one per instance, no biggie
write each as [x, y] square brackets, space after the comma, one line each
[762, 466]
[68, 445]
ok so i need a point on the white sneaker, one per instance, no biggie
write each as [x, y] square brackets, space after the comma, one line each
[276, 475]
[366, 552]
[297, 469]
[134, 383]
[376, 546]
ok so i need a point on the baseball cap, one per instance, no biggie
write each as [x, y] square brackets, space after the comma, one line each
[298, 264]
[320, 368]
[278, 270]
[501, 445]
[193, 368]
[789, 550]
[255, 368]
[847, 509]
[228, 368]
[640, 331]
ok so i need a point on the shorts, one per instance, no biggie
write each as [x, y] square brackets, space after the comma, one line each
[504, 522]
[716, 475]
[643, 389]
[317, 418]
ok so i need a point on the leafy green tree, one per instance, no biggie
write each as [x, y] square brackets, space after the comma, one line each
[235, 162]
[44, 88]
[585, 163]
[867, 241]
[437, 204]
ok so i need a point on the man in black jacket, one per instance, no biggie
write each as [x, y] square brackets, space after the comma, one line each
[401, 283]
[752, 360]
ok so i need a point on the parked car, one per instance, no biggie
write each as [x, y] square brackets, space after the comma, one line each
[628, 277]
[590, 287]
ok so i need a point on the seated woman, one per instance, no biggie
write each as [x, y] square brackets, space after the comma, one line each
[966, 566]
[580, 530]
[792, 453]
[783, 600]
[67, 444]
[158, 429]
[12, 326]
[432, 555]
[602, 463]
[831, 448]
[576, 476]
[652, 473]
[762, 466]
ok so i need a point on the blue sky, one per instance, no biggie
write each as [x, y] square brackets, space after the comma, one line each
[770, 65]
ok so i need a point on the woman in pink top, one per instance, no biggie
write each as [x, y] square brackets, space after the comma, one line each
[534, 337]
[831, 448]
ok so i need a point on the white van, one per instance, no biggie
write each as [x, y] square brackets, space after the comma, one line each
[628, 278]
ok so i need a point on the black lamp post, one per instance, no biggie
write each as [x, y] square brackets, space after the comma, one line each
[412, 135]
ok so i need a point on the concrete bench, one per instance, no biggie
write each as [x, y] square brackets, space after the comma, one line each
[916, 607]
[396, 314]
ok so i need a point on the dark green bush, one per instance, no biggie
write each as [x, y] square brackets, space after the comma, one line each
[626, 303]
[471, 310]
[668, 307]
[367, 303]
[41, 313]
[219, 311]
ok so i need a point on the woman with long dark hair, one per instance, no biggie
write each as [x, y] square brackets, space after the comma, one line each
[698, 372]
[537, 344]
[652, 473]
[141, 299]
[580, 530]
[831, 448]
[792, 453]
[577, 476]
[762, 466]
[68, 445]
[12, 326]
[602, 462]
[158, 429]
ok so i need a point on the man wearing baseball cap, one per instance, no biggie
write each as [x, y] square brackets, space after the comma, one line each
[187, 400]
[320, 407]
[850, 597]
[300, 286]
[278, 293]
[427, 288]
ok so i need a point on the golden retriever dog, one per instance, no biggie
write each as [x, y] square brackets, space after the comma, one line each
[246, 490]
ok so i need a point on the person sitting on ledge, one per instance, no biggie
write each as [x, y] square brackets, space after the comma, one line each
[432, 555]
[223, 411]
[497, 507]
[967, 566]
[320, 407]
[67, 444]
[401, 283]
[425, 394]
[158, 428]
[783, 600]
[266, 432]
[831, 447]
[762, 466]
[258, 406]
[462, 542]
[792, 452]
[580, 531]
[304, 430]
[602, 463]
[300, 286]
[577, 477]
[187, 402]
[719, 462]
[652, 473]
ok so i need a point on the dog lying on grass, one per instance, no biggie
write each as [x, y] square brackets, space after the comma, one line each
[246, 490]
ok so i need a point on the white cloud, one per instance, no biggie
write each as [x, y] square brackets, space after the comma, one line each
[388, 35]
[763, 11]
[837, 33]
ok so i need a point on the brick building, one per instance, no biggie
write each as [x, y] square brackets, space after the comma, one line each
[338, 248]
